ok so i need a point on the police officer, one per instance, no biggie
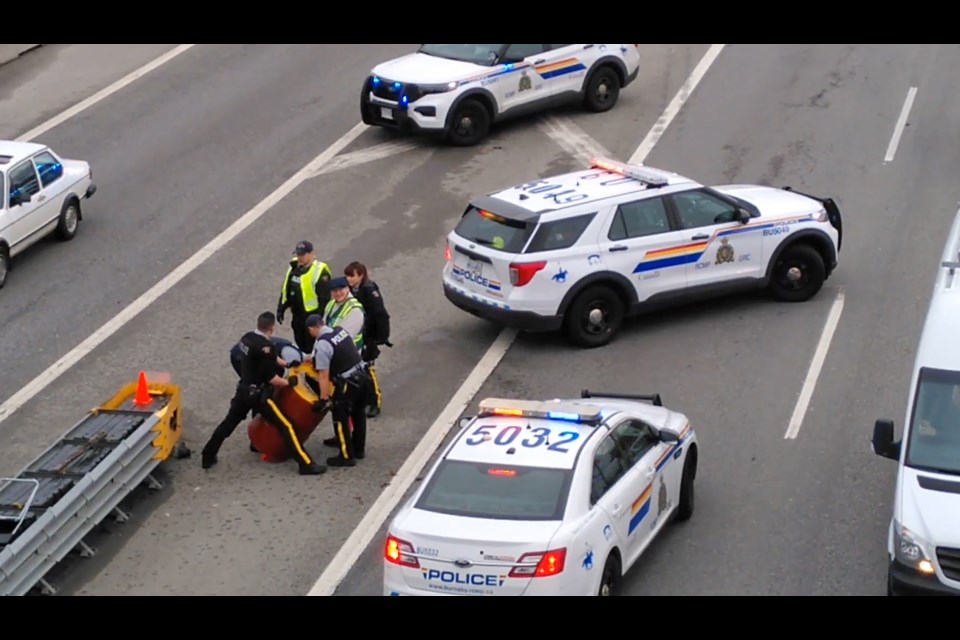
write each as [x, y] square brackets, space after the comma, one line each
[376, 330]
[255, 392]
[305, 291]
[345, 311]
[342, 384]
[290, 353]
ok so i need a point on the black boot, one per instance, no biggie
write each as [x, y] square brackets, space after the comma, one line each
[312, 469]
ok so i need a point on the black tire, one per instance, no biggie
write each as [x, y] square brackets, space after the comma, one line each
[4, 265]
[798, 274]
[364, 103]
[686, 500]
[603, 90]
[69, 220]
[891, 585]
[611, 580]
[595, 317]
[469, 124]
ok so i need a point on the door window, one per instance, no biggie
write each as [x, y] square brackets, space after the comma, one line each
[701, 209]
[49, 168]
[23, 181]
[521, 51]
[639, 219]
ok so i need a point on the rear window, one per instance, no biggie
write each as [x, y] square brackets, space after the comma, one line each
[496, 492]
[494, 231]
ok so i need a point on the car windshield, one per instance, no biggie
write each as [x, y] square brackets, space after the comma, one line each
[934, 443]
[484, 54]
[496, 492]
[494, 231]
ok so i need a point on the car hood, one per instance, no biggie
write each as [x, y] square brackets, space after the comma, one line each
[772, 202]
[419, 68]
[932, 512]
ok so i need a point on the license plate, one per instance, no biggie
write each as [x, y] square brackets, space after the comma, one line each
[386, 113]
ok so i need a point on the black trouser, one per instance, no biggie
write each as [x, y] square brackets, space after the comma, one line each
[248, 399]
[298, 322]
[349, 402]
[374, 396]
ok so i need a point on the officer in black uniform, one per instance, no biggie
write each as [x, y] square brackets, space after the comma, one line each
[376, 330]
[343, 383]
[255, 393]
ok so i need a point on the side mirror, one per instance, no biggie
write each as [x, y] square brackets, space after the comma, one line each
[669, 437]
[743, 215]
[883, 444]
[464, 422]
[19, 199]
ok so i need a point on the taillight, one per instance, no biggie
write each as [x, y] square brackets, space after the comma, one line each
[400, 552]
[548, 564]
[522, 273]
[448, 254]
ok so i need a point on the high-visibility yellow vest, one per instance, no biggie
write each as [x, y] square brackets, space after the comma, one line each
[308, 284]
[332, 319]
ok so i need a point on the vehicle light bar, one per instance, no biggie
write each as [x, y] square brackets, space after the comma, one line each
[549, 410]
[647, 176]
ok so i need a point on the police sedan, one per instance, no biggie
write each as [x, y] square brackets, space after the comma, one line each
[541, 498]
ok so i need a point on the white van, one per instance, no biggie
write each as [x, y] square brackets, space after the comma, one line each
[923, 544]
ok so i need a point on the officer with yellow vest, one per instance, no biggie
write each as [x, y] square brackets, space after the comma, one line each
[344, 311]
[306, 290]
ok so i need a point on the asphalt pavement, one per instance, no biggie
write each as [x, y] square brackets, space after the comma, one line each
[185, 151]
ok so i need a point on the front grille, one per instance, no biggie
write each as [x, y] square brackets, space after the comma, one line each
[386, 90]
[949, 562]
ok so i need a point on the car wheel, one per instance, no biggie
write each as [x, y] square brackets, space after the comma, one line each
[4, 265]
[595, 317]
[685, 506]
[611, 579]
[470, 123]
[603, 90]
[798, 274]
[891, 585]
[69, 220]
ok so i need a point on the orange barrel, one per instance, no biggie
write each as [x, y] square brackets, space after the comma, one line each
[296, 403]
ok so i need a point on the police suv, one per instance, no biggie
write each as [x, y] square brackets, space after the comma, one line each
[459, 90]
[923, 541]
[584, 250]
[544, 498]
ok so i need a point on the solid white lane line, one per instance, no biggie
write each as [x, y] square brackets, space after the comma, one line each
[676, 104]
[61, 366]
[83, 105]
[901, 125]
[358, 541]
[819, 356]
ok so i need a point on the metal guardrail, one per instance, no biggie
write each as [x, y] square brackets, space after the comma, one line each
[59, 498]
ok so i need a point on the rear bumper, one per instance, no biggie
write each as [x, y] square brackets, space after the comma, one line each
[632, 76]
[905, 581]
[520, 320]
[91, 190]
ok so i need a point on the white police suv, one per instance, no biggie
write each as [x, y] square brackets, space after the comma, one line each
[584, 250]
[544, 498]
[459, 90]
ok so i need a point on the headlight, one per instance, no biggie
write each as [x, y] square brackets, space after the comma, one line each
[910, 550]
[437, 88]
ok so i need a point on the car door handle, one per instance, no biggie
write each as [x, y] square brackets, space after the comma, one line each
[650, 473]
[618, 249]
[41, 198]
[616, 511]
[540, 61]
[702, 236]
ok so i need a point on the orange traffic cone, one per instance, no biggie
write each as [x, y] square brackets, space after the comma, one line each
[143, 392]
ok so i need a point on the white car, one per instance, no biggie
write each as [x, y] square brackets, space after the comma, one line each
[40, 194]
[460, 90]
[923, 539]
[585, 250]
[544, 498]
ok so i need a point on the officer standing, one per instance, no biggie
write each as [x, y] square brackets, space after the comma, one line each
[376, 330]
[343, 384]
[255, 392]
[305, 291]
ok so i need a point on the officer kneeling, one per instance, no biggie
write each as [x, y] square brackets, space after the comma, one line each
[343, 383]
[255, 392]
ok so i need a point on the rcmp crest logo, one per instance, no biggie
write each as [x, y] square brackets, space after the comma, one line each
[725, 253]
[526, 84]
